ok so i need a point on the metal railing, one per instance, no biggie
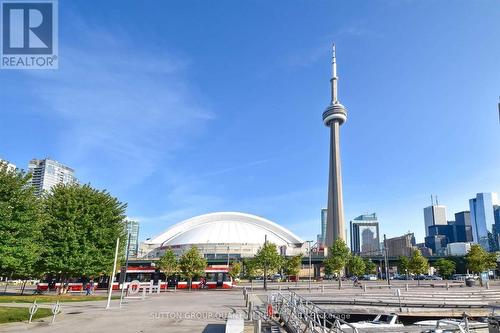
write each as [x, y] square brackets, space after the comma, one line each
[301, 315]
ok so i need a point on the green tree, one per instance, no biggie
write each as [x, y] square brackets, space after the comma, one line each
[81, 231]
[192, 264]
[370, 266]
[445, 267]
[168, 263]
[478, 260]
[250, 269]
[268, 260]
[292, 266]
[235, 269]
[337, 259]
[21, 225]
[418, 264]
[403, 265]
[356, 265]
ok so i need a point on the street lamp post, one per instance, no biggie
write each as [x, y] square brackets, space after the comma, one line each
[386, 257]
[125, 271]
[310, 253]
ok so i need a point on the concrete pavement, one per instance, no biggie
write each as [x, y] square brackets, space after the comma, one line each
[196, 311]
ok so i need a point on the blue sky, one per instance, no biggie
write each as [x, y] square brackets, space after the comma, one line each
[186, 107]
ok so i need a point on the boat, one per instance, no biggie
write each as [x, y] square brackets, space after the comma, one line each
[381, 321]
[453, 325]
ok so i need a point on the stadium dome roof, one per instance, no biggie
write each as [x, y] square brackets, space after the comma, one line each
[226, 228]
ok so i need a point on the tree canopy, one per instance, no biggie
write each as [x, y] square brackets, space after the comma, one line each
[168, 263]
[370, 266]
[192, 264]
[81, 230]
[337, 258]
[356, 265]
[292, 265]
[418, 264]
[478, 260]
[445, 267]
[403, 264]
[250, 269]
[268, 258]
[21, 225]
[235, 269]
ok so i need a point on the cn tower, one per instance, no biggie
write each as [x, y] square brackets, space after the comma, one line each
[334, 116]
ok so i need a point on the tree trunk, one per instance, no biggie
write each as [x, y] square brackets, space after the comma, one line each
[190, 283]
[7, 283]
[59, 292]
[24, 286]
[340, 282]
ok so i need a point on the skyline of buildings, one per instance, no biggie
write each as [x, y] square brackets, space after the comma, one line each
[468, 226]
[46, 173]
[365, 235]
[322, 234]
[401, 245]
[434, 215]
[482, 215]
[132, 229]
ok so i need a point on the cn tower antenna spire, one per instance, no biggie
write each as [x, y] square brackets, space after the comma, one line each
[334, 76]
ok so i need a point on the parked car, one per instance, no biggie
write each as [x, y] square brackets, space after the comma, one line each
[435, 278]
[370, 277]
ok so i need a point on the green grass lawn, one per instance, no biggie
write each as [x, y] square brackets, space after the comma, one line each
[52, 298]
[9, 314]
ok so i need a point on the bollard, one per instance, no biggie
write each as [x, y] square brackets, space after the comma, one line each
[56, 309]
[279, 288]
[258, 326]
[406, 287]
[250, 310]
[246, 300]
[447, 285]
[159, 287]
[251, 285]
[364, 287]
[398, 293]
[322, 288]
[487, 284]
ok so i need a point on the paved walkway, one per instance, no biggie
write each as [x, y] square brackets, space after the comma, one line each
[197, 311]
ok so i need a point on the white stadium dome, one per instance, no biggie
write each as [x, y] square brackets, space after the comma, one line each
[220, 232]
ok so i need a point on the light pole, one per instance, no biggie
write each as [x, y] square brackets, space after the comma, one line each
[310, 253]
[112, 275]
[125, 272]
[265, 265]
[228, 257]
[386, 261]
